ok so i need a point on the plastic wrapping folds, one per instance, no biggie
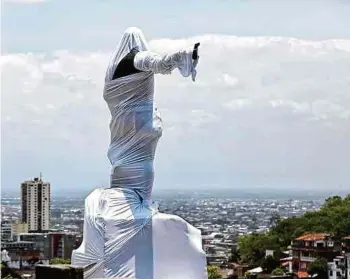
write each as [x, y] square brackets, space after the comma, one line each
[124, 234]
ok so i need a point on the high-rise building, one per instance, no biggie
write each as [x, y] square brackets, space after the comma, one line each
[36, 204]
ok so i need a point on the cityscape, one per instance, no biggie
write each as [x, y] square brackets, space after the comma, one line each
[37, 228]
[175, 139]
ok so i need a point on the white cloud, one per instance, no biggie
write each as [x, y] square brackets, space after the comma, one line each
[238, 103]
[264, 110]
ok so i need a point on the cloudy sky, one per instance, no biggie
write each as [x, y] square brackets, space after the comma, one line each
[270, 108]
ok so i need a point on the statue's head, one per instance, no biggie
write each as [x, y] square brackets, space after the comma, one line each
[133, 38]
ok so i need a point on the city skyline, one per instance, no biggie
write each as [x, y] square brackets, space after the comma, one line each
[276, 115]
[181, 191]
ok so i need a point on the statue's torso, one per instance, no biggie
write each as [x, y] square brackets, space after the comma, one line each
[135, 128]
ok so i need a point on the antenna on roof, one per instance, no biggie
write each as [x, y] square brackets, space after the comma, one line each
[41, 176]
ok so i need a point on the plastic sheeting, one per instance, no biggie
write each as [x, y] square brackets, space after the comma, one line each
[126, 239]
[124, 234]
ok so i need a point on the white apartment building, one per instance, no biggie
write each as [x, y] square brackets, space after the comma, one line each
[340, 267]
[36, 204]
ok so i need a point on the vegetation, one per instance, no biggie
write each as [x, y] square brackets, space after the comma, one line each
[277, 271]
[319, 267]
[8, 273]
[213, 272]
[270, 263]
[235, 255]
[332, 218]
[252, 247]
[60, 261]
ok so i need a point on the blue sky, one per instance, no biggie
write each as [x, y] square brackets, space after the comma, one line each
[271, 107]
[92, 25]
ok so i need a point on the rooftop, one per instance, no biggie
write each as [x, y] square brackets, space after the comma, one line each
[313, 236]
[302, 274]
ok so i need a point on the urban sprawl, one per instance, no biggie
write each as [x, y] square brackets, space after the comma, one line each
[36, 229]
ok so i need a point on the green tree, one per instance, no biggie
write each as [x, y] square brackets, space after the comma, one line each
[319, 267]
[60, 261]
[270, 263]
[213, 272]
[333, 202]
[332, 218]
[253, 247]
[235, 255]
[277, 271]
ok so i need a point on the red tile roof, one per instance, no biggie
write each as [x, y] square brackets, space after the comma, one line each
[302, 274]
[313, 236]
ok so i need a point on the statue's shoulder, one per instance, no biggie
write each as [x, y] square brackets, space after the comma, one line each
[94, 195]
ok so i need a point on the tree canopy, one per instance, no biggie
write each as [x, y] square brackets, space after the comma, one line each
[319, 267]
[213, 272]
[332, 218]
[253, 247]
[277, 271]
[270, 263]
[235, 255]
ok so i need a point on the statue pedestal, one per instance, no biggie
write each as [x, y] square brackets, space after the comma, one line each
[124, 238]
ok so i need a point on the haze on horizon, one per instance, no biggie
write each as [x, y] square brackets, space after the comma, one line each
[270, 108]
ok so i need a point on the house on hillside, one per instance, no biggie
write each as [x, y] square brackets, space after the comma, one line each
[308, 247]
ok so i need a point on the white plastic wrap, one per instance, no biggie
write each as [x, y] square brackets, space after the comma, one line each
[124, 234]
[126, 239]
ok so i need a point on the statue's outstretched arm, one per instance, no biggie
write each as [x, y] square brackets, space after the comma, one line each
[185, 60]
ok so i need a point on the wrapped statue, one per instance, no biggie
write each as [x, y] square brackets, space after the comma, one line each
[124, 234]
[136, 124]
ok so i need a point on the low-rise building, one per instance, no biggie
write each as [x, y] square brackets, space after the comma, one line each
[19, 227]
[339, 268]
[40, 240]
[52, 245]
[22, 254]
[309, 247]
